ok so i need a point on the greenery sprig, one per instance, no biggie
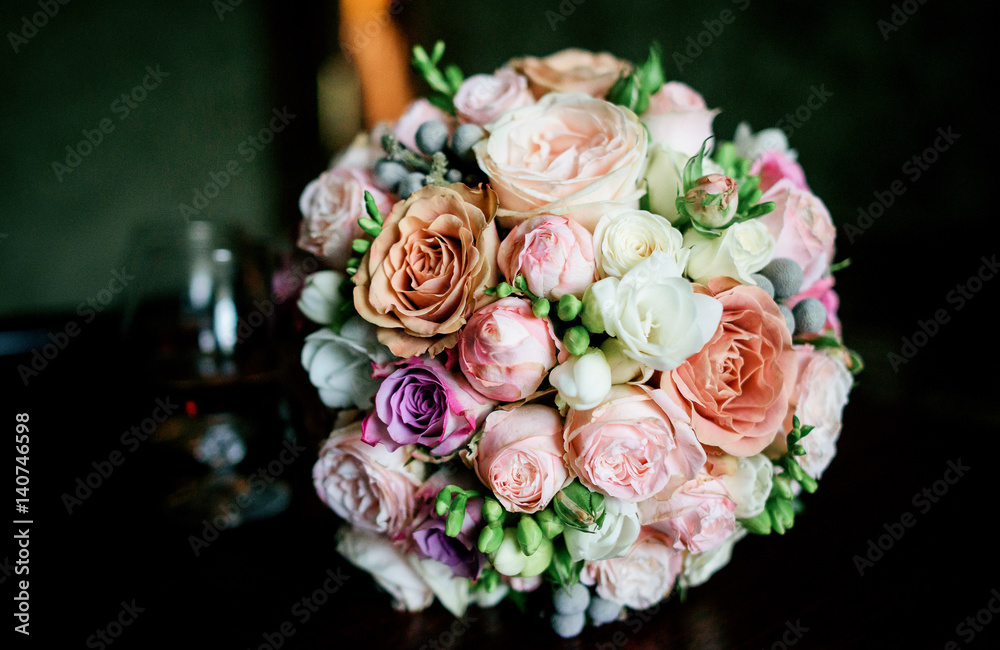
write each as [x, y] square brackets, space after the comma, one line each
[444, 83]
[781, 505]
[633, 89]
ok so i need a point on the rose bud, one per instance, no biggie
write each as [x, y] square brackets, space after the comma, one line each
[711, 202]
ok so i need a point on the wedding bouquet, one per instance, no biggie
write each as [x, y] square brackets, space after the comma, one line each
[575, 343]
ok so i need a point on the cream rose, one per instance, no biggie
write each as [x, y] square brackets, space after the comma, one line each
[655, 313]
[624, 237]
[643, 577]
[613, 539]
[370, 487]
[571, 70]
[740, 251]
[750, 484]
[389, 566]
[567, 150]
[340, 364]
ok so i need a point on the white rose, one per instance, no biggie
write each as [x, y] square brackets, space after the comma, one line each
[664, 173]
[451, 590]
[699, 567]
[824, 384]
[656, 315]
[371, 487]
[624, 369]
[751, 145]
[624, 237]
[742, 250]
[321, 296]
[340, 365]
[613, 539]
[387, 564]
[582, 381]
[750, 485]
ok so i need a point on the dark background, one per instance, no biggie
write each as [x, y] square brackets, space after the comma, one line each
[890, 97]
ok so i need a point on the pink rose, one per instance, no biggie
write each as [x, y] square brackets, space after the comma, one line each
[482, 98]
[642, 578]
[678, 118]
[698, 516]
[554, 253]
[331, 206]
[773, 166]
[370, 487]
[802, 229]
[505, 351]
[737, 389]
[635, 444]
[823, 291]
[571, 70]
[520, 457]
[419, 112]
[426, 272]
[565, 151]
[821, 395]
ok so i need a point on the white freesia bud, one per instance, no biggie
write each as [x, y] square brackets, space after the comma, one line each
[321, 296]
[582, 381]
[508, 560]
[656, 315]
[750, 485]
[340, 365]
[387, 564]
[699, 567]
[742, 250]
[613, 539]
[625, 236]
[623, 368]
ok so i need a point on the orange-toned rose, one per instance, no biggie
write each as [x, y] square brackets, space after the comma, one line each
[425, 273]
[571, 71]
[738, 387]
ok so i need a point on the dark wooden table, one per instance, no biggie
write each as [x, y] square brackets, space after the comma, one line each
[245, 588]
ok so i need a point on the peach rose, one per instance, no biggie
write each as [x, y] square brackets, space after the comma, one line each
[331, 206]
[506, 351]
[633, 445]
[571, 71]
[425, 273]
[738, 388]
[566, 151]
[482, 98]
[678, 118]
[642, 578]
[554, 253]
[520, 457]
[802, 229]
[697, 517]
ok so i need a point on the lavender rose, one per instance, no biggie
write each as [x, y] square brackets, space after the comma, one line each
[420, 402]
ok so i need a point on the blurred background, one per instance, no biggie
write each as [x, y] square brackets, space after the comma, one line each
[124, 121]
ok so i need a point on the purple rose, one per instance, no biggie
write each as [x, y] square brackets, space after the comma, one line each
[420, 402]
[460, 552]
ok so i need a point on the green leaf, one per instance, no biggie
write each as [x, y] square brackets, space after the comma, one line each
[437, 53]
[372, 209]
[841, 265]
[454, 76]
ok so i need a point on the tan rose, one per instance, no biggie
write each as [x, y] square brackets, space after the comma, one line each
[571, 71]
[425, 273]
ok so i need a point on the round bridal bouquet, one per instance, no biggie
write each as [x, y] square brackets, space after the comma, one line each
[576, 342]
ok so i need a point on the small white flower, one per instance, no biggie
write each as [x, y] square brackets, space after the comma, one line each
[321, 296]
[613, 539]
[751, 145]
[742, 250]
[624, 237]
[582, 381]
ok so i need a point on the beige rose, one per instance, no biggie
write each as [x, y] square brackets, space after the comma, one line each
[571, 70]
[425, 273]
